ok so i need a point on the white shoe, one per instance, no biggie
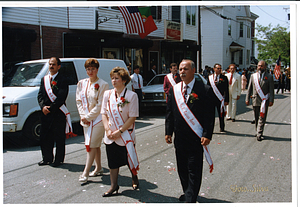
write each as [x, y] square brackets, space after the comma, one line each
[83, 179]
[94, 173]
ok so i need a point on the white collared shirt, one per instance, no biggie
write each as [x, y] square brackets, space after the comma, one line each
[53, 76]
[218, 77]
[190, 87]
[134, 80]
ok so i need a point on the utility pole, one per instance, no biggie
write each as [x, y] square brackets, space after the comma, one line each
[199, 39]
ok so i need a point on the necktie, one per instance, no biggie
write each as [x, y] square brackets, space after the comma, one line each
[216, 79]
[230, 82]
[51, 80]
[139, 81]
[184, 92]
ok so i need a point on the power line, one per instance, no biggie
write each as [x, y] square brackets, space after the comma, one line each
[270, 14]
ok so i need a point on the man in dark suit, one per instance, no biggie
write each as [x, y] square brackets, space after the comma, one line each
[219, 83]
[261, 81]
[151, 73]
[53, 121]
[188, 143]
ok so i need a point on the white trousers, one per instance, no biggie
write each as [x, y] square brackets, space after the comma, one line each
[231, 108]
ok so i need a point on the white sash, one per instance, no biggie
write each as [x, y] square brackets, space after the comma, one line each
[126, 137]
[218, 94]
[63, 108]
[263, 97]
[171, 79]
[85, 107]
[191, 120]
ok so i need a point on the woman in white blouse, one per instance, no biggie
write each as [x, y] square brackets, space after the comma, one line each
[89, 95]
[119, 110]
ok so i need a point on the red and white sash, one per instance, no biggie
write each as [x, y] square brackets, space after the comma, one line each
[191, 120]
[218, 94]
[97, 120]
[263, 97]
[63, 108]
[171, 79]
[118, 121]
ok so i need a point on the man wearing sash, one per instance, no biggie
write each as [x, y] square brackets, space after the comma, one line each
[261, 90]
[219, 84]
[190, 116]
[53, 121]
[171, 79]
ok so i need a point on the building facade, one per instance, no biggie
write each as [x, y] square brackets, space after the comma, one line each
[100, 32]
[227, 35]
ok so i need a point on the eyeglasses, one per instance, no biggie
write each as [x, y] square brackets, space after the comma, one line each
[219, 68]
[90, 69]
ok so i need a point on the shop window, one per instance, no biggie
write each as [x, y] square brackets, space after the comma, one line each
[248, 32]
[134, 57]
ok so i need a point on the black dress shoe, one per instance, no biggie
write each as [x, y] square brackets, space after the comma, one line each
[56, 164]
[41, 163]
[253, 122]
[259, 139]
[233, 120]
[182, 198]
[228, 119]
[222, 131]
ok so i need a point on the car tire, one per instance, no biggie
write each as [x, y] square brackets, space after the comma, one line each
[32, 129]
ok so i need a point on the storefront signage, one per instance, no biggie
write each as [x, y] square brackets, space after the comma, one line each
[173, 31]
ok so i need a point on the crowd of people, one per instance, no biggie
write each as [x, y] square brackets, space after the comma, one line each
[109, 116]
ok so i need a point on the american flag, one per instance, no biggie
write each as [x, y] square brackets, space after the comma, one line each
[277, 68]
[133, 19]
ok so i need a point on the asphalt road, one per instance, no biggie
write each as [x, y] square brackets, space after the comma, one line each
[245, 170]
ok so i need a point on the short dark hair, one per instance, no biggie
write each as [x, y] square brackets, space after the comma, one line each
[57, 60]
[136, 67]
[91, 62]
[122, 72]
[173, 64]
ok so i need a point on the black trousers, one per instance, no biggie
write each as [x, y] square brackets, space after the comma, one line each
[50, 134]
[221, 118]
[140, 96]
[190, 165]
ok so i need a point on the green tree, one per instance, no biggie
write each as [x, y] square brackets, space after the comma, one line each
[271, 42]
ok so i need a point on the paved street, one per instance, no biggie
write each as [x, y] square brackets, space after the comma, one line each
[245, 170]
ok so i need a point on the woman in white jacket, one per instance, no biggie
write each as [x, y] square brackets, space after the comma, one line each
[89, 95]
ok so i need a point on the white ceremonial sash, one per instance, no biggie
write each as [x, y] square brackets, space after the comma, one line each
[63, 108]
[171, 79]
[126, 137]
[191, 120]
[97, 120]
[263, 97]
[218, 94]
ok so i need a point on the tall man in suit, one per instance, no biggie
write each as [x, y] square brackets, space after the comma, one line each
[53, 118]
[190, 102]
[234, 91]
[219, 84]
[171, 79]
[261, 89]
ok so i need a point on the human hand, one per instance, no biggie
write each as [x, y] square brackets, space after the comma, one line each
[247, 103]
[205, 141]
[225, 103]
[85, 121]
[116, 134]
[238, 97]
[168, 139]
[270, 103]
[45, 110]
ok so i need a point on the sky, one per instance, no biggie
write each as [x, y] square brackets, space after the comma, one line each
[274, 14]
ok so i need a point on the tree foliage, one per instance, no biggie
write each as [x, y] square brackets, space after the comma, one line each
[271, 42]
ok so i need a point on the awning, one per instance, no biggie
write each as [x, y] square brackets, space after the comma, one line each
[235, 47]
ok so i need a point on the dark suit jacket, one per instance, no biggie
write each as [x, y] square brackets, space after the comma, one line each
[61, 92]
[203, 109]
[222, 85]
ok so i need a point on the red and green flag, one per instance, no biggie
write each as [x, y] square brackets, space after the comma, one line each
[149, 24]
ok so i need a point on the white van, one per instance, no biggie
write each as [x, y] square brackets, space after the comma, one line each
[21, 111]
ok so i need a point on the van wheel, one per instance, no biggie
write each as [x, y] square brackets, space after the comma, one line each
[32, 129]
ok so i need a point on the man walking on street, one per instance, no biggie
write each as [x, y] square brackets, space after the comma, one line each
[190, 116]
[234, 91]
[219, 84]
[52, 97]
[171, 79]
[261, 89]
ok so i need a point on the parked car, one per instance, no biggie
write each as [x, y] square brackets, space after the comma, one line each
[154, 94]
[21, 111]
